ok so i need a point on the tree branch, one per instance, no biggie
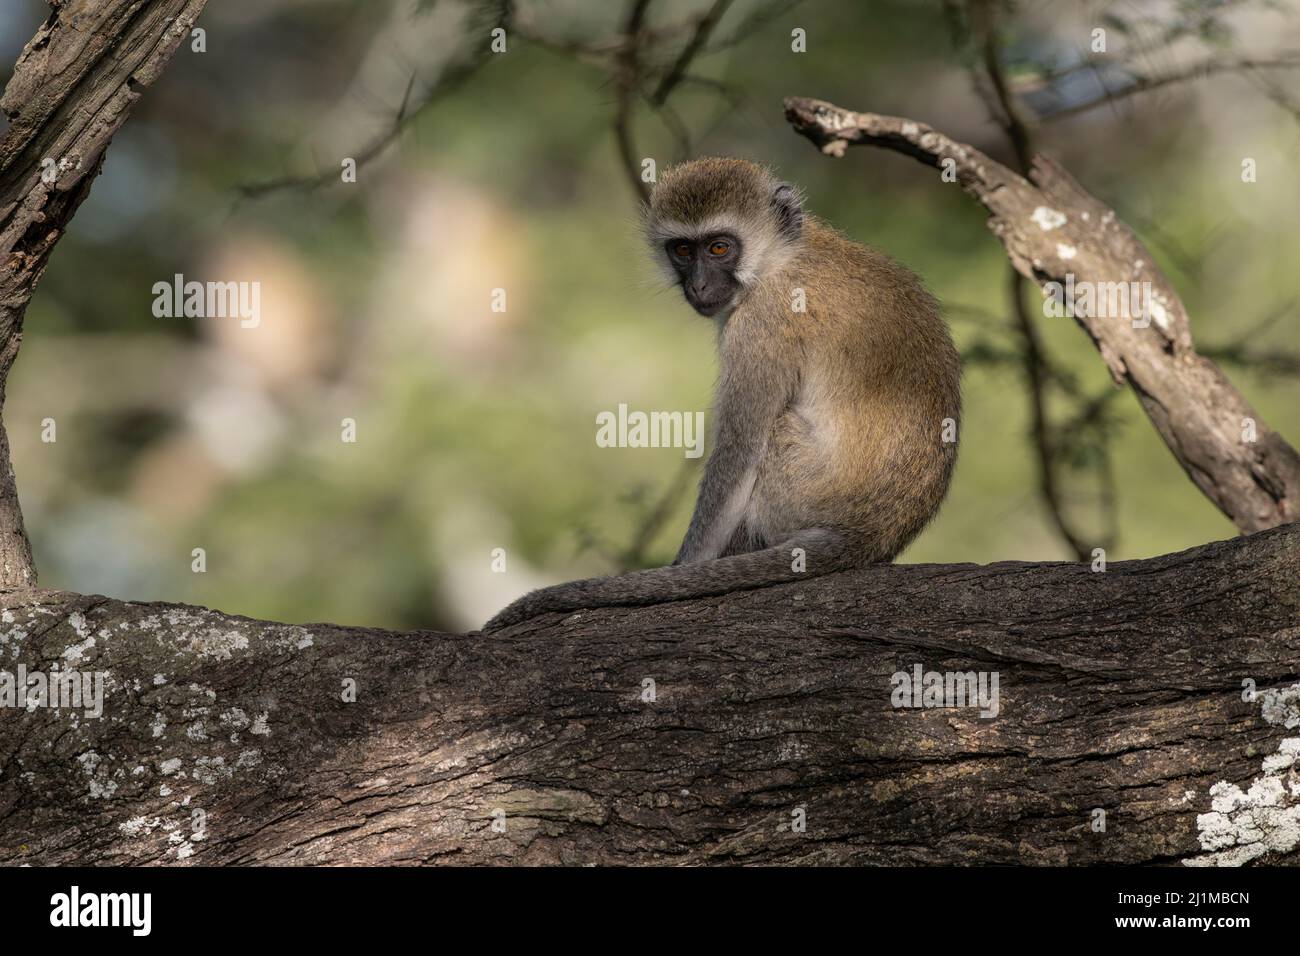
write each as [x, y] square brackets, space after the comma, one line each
[225, 740]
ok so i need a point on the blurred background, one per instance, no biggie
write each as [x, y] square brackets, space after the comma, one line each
[475, 429]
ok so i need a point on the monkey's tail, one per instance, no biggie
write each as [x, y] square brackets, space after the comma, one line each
[805, 554]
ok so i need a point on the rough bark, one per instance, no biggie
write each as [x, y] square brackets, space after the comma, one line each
[71, 90]
[1051, 227]
[1120, 690]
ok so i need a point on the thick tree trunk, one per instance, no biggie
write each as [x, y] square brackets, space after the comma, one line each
[755, 728]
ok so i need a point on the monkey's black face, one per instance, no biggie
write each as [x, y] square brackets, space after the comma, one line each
[707, 270]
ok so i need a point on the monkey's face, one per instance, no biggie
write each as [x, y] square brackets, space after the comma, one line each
[707, 270]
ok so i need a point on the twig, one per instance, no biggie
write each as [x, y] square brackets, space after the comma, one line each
[451, 79]
[1205, 68]
[628, 76]
[703, 29]
[1046, 440]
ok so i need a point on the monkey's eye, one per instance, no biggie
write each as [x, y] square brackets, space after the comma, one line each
[719, 247]
[682, 250]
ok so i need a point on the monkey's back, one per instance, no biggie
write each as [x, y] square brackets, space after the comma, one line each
[870, 438]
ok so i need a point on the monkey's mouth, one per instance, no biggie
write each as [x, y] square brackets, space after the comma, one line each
[709, 307]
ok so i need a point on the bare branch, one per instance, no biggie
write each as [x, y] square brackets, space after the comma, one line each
[1200, 70]
[628, 78]
[448, 82]
[753, 23]
[1051, 444]
[683, 62]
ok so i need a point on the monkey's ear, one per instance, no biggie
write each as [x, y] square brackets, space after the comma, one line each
[788, 209]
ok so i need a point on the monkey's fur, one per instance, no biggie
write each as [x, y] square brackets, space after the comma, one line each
[834, 426]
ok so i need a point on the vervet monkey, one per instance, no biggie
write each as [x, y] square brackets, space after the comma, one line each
[837, 402]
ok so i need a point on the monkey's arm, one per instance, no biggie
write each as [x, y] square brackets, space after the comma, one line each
[824, 551]
[759, 380]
